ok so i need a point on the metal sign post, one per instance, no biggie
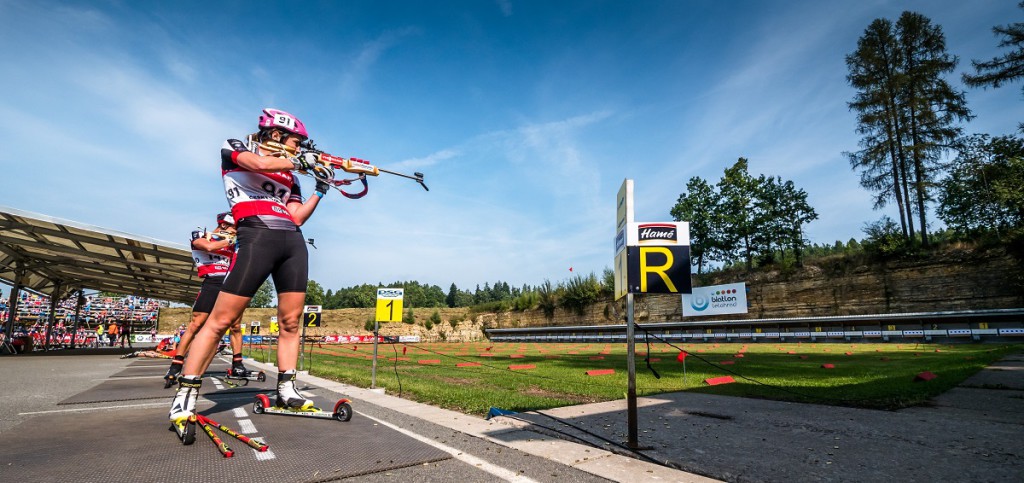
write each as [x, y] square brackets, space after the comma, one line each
[311, 318]
[649, 258]
[631, 416]
[389, 309]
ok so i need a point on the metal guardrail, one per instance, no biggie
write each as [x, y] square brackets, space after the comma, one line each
[964, 325]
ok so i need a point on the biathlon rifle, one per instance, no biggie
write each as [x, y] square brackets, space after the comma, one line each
[360, 167]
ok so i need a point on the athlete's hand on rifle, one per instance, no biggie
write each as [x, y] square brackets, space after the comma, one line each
[310, 162]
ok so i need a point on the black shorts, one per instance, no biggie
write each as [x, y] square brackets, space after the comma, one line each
[261, 252]
[207, 294]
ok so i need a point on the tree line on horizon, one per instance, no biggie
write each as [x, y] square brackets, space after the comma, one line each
[913, 153]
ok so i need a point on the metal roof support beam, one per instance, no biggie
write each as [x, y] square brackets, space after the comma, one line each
[12, 307]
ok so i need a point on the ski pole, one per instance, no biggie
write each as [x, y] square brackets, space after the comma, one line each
[255, 444]
[223, 448]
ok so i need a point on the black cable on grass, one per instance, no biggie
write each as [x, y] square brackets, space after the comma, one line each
[397, 377]
[741, 376]
[520, 374]
[621, 446]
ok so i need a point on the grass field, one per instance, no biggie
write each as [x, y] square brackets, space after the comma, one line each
[473, 377]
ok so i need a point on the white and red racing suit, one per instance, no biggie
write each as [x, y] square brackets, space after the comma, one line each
[262, 197]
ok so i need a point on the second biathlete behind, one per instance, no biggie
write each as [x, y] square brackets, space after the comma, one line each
[212, 254]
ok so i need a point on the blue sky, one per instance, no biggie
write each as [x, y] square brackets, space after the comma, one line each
[524, 116]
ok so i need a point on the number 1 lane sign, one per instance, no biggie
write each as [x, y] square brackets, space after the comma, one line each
[389, 304]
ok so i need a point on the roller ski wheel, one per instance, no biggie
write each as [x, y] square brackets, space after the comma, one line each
[261, 376]
[343, 411]
[185, 428]
[260, 404]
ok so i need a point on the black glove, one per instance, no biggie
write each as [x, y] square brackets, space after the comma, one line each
[322, 188]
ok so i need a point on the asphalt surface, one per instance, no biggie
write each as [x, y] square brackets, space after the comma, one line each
[32, 388]
[971, 433]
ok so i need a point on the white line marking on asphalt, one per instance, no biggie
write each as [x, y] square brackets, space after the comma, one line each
[265, 455]
[503, 473]
[245, 426]
[240, 412]
[144, 405]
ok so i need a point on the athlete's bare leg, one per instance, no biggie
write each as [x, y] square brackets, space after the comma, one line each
[226, 311]
[236, 336]
[289, 306]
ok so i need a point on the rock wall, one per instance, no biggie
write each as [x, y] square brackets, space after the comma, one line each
[353, 321]
[958, 280]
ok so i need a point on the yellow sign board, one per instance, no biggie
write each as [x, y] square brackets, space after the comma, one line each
[389, 304]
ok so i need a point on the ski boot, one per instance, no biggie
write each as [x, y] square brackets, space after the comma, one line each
[238, 370]
[289, 397]
[183, 409]
[172, 372]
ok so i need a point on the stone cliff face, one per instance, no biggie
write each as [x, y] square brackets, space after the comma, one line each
[954, 281]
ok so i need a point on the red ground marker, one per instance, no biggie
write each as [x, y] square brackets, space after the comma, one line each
[803, 357]
[521, 367]
[597, 358]
[467, 364]
[655, 359]
[486, 355]
[429, 361]
[714, 381]
[516, 356]
[600, 372]
[924, 376]
[739, 355]
[849, 353]
[726, 363]
[828, 366]
[791, 352]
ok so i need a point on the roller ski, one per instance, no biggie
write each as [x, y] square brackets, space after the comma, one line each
[289, 402]
[171, 378]
[238, 371]
[183, 409]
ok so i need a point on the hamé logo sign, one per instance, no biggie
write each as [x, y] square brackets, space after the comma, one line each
[653, 232]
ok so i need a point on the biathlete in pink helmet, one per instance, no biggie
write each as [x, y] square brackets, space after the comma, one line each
[268, 208]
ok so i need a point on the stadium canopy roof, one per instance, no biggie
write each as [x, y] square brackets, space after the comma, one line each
[53, 254]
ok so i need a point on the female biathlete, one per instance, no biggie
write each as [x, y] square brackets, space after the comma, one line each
[212, 254]
[268, 209]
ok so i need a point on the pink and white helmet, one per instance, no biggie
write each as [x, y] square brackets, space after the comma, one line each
[275, 118]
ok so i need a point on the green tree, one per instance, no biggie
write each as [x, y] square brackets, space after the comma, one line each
[1008, 67]
[453, 296]
[933, 106]
[906, 112]
[699, 207]
[874, 73]
[738, 191]
[314, 293]
[985, 187]
[264, 297]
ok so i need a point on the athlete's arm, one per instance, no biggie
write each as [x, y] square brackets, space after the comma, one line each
[209, 245]
[301, 211]
[261, 164]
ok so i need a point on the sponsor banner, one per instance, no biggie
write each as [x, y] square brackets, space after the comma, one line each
[660, 234]
[1011, 331]
[959, 332]
[365, 339]
[872, 333]
[716, 300]
[913, 333]
[142, 338]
